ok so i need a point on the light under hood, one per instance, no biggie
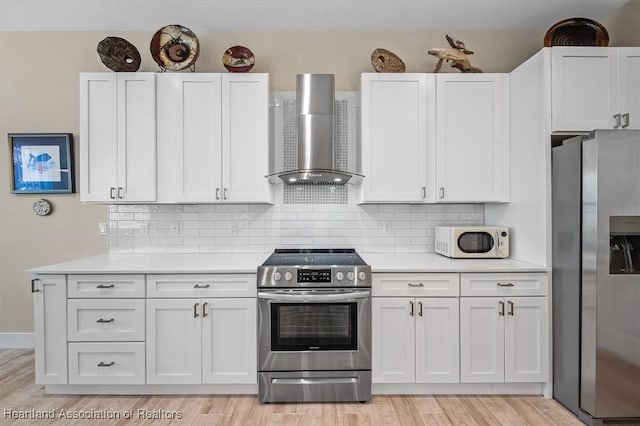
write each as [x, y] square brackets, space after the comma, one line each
[315, 97]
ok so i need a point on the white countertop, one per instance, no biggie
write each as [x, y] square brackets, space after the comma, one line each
[246, 263]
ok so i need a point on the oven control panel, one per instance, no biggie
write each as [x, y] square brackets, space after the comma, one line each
[336, 276]
[314, 275]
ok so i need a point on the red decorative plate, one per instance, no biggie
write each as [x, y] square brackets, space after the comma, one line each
[238, 59]
[174, 47]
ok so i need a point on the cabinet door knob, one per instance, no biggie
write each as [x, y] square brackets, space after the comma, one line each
[501, 311]
[510, 303]
[195, 310]
[411, 308]
[33, 285]
[625, 120]
[204, 309]
[618, 119]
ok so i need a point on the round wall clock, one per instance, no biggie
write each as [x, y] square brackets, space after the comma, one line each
[42, 207]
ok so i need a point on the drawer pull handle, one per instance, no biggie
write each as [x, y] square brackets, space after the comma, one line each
[104, 364]
[506, 285]
[106, 286]
[416, 285]
[201, 286]
[102, 320]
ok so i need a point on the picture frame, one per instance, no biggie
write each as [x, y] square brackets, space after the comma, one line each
[41, 163]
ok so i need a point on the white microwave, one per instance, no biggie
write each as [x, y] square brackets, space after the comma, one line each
[472, 241]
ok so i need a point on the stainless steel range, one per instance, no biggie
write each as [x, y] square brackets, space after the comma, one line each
[314, 326]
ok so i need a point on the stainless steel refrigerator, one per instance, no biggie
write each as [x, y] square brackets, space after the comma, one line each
[596, 274]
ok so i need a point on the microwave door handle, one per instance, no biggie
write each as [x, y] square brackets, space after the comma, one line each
[311, 297]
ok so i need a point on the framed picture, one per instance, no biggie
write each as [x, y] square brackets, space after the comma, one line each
[41, 163]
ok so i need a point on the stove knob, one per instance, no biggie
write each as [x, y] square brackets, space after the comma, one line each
[362, 275]
[277, 276]
[350, 276]
[339, 276]
[288, 276]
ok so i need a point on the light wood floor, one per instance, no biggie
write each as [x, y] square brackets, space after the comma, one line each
[18, 392]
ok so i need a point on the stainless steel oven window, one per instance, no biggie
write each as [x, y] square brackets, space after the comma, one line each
[314, 326]
[475, 242]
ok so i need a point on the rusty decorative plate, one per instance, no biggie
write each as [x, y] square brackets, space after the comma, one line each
[576, 32]
[238, 59]
[118, 54]
[174, 47]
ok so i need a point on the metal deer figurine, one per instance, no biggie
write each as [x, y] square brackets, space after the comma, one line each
[457, 54]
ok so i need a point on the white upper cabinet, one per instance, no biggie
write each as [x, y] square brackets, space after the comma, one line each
[189, 137]
[397, 111]
[595, 88]
[245, 137]
[472, 137]
[629, 73]
[435, 138]
[213, 132]
[117, 137]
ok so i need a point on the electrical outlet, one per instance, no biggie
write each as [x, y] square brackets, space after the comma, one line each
[234, 229]
[102, 228]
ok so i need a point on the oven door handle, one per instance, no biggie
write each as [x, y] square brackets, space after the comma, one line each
[313, 297]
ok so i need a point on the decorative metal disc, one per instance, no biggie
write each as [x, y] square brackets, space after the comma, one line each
[119, 55]
[174, 47]
[42, 207]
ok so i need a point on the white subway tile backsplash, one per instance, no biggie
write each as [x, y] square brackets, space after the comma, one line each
[382, 228]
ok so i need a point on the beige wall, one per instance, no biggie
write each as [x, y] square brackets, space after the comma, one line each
[39, 93]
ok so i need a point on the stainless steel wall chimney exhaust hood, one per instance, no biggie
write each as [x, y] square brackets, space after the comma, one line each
[315, 96]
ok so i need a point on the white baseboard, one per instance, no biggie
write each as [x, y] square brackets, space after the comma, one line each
[16, 341]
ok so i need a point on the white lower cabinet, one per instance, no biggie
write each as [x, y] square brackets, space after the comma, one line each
[193, 341]
[415, 340]
[104, 363]
[504, 339]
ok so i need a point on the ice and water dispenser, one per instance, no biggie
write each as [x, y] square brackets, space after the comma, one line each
[624, 245]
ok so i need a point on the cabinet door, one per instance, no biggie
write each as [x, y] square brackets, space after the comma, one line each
[50, 329]
[482, 339]
[98, 137]
[245, 137]
[526, 339]
[437, 340]
[174, 341]
[229, 341]
[584, 93]
[629, 92]
[393, 340]
[472, 137]
[136, 97]
[197, 136]
[396, 122]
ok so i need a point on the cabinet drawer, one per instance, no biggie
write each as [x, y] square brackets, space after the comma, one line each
[202, 285]
[105, 320]
[106, 363]
[109, 286]
[427, 285]
[504, 284]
